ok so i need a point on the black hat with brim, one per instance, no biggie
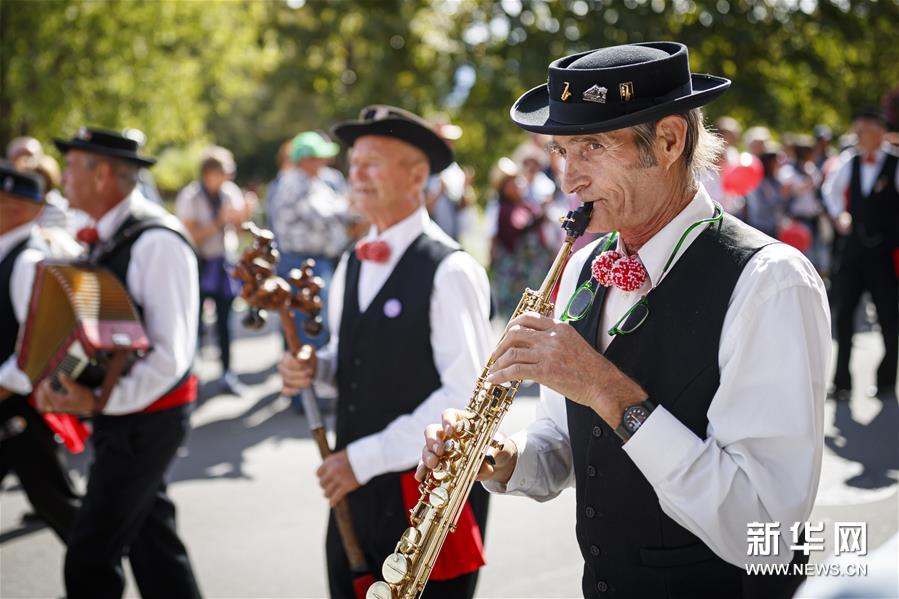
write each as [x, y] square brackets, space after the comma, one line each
[613, 88]
[105, 142]
[22, 186]
[389, 121]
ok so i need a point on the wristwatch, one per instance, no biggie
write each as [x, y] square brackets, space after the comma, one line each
[633, 418]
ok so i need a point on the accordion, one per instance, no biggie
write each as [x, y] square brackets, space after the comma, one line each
[81, 322]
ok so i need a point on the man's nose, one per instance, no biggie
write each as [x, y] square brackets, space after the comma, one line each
[574, 179]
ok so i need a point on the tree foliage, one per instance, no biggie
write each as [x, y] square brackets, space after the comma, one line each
[250, 74]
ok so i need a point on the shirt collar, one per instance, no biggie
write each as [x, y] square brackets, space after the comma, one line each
[655, 252]
[14, 237]
[401, 235]
[110, 222]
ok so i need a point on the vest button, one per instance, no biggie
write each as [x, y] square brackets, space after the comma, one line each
[351, 408]
[601, 586]
[354, 385]
[597, 431]
[591, 471]
[589, 512]
[594, 551]
[357, 362]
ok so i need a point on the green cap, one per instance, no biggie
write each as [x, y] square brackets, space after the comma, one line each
[310, 144]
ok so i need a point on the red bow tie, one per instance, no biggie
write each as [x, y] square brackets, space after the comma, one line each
[373, 251]
[88, 235]
[870, 159]
[627, 273]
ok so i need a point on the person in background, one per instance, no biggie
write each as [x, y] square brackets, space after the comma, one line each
[822, 149]
[28, 444]
[862, 198]
[764, 205]
[445, 192]
[308, 218]
[285, 164]
[518, 251]
[212, 208]
[729, 131]
[800, 181]
[755, 139]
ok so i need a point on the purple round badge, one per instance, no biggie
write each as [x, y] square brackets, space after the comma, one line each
[392, 308]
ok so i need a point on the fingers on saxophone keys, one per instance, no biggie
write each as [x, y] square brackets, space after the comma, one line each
[433, 448]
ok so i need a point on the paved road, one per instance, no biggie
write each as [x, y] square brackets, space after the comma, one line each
[253, 517]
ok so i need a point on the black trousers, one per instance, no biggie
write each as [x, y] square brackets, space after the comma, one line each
[126, 512]
[38, 461]
[222, 324]
[379, 518]
[873, 271]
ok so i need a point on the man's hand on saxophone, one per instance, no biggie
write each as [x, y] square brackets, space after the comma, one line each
[499, 464]
[552, 353]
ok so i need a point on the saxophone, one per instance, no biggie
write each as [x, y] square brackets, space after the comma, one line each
[446, 488]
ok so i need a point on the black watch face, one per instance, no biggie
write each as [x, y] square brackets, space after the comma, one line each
[634, 417]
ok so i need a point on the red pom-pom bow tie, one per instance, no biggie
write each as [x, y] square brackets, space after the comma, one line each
[88, 235]
[627, 273]
[373, 251]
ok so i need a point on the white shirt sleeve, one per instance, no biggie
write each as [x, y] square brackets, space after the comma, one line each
[545, 466]
[461, 343]
[761, 459]
[835, 186]
[162, 279]
[21, 283]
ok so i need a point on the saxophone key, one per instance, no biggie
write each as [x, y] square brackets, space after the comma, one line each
[410, 541]
[419, 512]
[379, 590]
[439, 497]
[395, 568]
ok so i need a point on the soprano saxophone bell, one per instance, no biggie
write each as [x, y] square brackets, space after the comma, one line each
[446, 488]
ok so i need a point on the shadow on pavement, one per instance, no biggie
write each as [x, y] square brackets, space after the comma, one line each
[216, 449]
[874, 445]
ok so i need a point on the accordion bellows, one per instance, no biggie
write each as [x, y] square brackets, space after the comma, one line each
[79, 315]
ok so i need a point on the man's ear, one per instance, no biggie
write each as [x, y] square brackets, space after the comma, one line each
[419, 173]
[671, 135]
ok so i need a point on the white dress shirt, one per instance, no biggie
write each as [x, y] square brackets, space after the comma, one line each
[837, 184]
[761, 459]
[162, 278]
[20, 284]
[461, 341]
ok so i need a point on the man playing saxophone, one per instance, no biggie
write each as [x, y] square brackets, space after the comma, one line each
[409, 316]
[683, 376]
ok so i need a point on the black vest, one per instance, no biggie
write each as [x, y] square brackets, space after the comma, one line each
[385, 366]
[115, 253]
[631, 548]
[875, 217]
[9, 324]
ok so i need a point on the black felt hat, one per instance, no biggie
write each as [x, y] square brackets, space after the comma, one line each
[612, 88]
[24, 186]
[105, 142]
[390, 121]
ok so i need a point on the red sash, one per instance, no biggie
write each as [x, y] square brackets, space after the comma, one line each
[71, 430]
[463, 550]
[185, 393]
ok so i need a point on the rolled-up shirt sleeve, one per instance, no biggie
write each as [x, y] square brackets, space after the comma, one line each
[761, 458]
[461, 343]
[162, 279]
[545, 466]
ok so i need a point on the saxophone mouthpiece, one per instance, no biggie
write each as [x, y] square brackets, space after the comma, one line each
[576, 221]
